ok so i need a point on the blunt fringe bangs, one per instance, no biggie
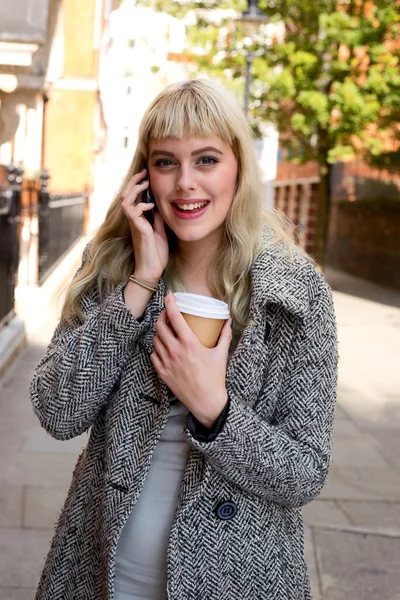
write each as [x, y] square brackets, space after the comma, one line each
[196, 108]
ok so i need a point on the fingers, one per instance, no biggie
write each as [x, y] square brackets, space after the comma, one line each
[178, 323]
[134, 210]
[159, 224]
[142, 207]
[157, 364]
[164, 331]
[131, 193]
[225, 337]
[135, 180]
[159, 349]
[165, 344]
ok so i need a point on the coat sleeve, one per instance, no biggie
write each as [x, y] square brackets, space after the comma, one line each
[83, 363]
[286, 460]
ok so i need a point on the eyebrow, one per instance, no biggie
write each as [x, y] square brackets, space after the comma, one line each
[199, 151]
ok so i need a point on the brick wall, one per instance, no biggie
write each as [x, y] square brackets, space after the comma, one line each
[287, 170]
[363, 236]
[364, 240]
[298, 200]
[356, 180]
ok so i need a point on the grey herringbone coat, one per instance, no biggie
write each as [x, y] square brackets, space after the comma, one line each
[270, 458]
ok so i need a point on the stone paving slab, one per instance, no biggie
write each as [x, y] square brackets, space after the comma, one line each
[17, 594]
[311, 561]
[357, 452]
[340, 413]
[345, 284]
[388, 442]
[347, 515]
[343, 427]
[372, 514]
[323, 512]
[11, 505]
[12, 341]
[362, 484]
[42, 506]
[354, 566]
[39, 441]
[47, 470]
[22, 553]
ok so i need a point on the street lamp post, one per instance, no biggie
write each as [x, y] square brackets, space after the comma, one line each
[251, 19]
[249, 60]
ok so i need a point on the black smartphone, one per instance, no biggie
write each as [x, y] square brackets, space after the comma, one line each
[148, 199]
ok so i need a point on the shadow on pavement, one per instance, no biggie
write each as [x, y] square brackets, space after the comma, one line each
[361, 288]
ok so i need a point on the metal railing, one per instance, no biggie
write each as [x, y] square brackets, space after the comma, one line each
[37, 229]
[61, 223]
[10, 208]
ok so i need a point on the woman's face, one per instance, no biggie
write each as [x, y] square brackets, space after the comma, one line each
[193, 180]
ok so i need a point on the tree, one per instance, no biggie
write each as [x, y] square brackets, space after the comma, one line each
[332, 86]
[330, 83]
[212, 42]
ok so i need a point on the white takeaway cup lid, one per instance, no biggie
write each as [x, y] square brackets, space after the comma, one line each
[202, 306]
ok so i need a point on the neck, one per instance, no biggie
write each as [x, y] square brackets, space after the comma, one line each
[195, 259]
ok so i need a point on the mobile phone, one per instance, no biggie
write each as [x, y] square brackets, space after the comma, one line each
[148, 199]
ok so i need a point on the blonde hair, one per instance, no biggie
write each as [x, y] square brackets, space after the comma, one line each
[198, 108]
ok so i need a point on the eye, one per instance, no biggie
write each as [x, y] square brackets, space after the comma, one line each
[207, 160]
[163, 162]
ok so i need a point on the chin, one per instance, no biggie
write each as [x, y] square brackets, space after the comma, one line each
[196, 233]
[186, 236]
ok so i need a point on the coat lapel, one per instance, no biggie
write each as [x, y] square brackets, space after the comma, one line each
[278, 284]
[278, 278]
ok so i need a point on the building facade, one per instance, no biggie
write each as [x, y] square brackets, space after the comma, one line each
[142, 51]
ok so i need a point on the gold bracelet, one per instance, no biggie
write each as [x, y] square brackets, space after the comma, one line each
[142, 283]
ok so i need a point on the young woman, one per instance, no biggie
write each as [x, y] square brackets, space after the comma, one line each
[199, 460]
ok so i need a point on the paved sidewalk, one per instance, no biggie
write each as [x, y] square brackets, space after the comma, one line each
[353, 529]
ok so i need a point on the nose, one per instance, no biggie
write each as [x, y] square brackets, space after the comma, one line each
[186, 180]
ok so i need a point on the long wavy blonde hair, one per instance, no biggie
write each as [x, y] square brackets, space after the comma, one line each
[198, 108]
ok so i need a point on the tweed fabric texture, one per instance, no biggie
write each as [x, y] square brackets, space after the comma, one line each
[270, 458]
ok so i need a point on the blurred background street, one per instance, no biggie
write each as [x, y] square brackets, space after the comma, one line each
[319, 83]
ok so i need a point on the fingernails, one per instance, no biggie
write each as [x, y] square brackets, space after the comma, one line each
[231, 322]
[166, 292]
[144, 182]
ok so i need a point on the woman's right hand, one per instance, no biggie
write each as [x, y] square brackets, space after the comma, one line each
[150, 243]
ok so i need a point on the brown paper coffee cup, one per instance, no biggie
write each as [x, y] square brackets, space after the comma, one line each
[207, 330]
[205, 316]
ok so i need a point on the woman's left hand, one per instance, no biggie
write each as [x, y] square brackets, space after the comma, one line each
[195, 374]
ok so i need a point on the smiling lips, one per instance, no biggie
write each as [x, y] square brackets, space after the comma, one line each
[190, 210]
[192, 206]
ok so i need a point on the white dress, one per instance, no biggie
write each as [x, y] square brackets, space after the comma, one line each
[141, 558]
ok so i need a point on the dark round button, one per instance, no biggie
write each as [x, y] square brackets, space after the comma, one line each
[226, 510]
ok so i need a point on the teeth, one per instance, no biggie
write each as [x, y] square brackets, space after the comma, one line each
[191, 206]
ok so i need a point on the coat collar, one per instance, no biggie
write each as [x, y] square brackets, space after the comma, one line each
[278, 278]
